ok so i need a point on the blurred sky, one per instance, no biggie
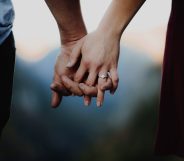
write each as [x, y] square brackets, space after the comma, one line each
[36, 31]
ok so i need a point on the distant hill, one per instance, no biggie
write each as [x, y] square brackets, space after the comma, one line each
[37, 132]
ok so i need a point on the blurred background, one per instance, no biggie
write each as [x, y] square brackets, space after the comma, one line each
[124, 129]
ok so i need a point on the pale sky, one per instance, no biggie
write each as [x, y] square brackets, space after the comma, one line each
[36, 32]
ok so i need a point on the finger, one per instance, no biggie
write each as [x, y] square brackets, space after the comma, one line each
[87, 90]
[71, 86]
[108, 85]
[76, 53]
[56, 99]
[87, 100]
[58, 87]
[91, 78]
[80, 73]
[115, 79]
[56, 96]
[101, 82]
[100, 97]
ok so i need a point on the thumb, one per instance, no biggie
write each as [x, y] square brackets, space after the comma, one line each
[56, 95]
[75, 54]
[56, 99]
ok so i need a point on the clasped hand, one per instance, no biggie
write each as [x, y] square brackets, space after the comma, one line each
[82, 66]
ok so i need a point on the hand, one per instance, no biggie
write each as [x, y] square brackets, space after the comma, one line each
[71, 28]
[88, 91]
[63, 84]
[99, 54]
[58, 89]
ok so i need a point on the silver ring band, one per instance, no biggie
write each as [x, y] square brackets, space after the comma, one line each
[109, 75]
[103, 76]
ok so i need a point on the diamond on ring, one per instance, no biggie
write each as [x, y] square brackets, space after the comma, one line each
[103, 76]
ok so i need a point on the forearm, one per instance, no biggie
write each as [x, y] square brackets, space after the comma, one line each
[69, 19]
[118, 16]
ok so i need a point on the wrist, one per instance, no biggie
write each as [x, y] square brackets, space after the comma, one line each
[110, 33]
[113, 29]
[73, 31]
[69, 37]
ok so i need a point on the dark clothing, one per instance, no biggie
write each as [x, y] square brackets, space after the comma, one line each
[170, 136]
[7, 60]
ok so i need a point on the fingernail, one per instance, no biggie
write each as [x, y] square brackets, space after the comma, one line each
[81, 86]
[86, 103]
[98, 104]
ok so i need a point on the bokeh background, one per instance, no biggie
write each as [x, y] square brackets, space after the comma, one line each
[124, 129]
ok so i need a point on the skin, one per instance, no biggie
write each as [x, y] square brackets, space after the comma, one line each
[72, 29]
[100, 49]
[100, 57]
[69, 19]
[92, 54]
[63, 84]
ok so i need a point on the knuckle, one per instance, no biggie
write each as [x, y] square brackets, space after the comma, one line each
[86, 62]
[97, 64]
[89, 83]
[77, 78]
[82, 88]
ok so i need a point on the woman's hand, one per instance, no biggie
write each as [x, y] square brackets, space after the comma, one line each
[99, 53]
[63, 83]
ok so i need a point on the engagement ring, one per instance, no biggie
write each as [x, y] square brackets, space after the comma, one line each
[103, 76]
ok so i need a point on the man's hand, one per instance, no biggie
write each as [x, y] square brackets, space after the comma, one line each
[71, 26]
[60, 72]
